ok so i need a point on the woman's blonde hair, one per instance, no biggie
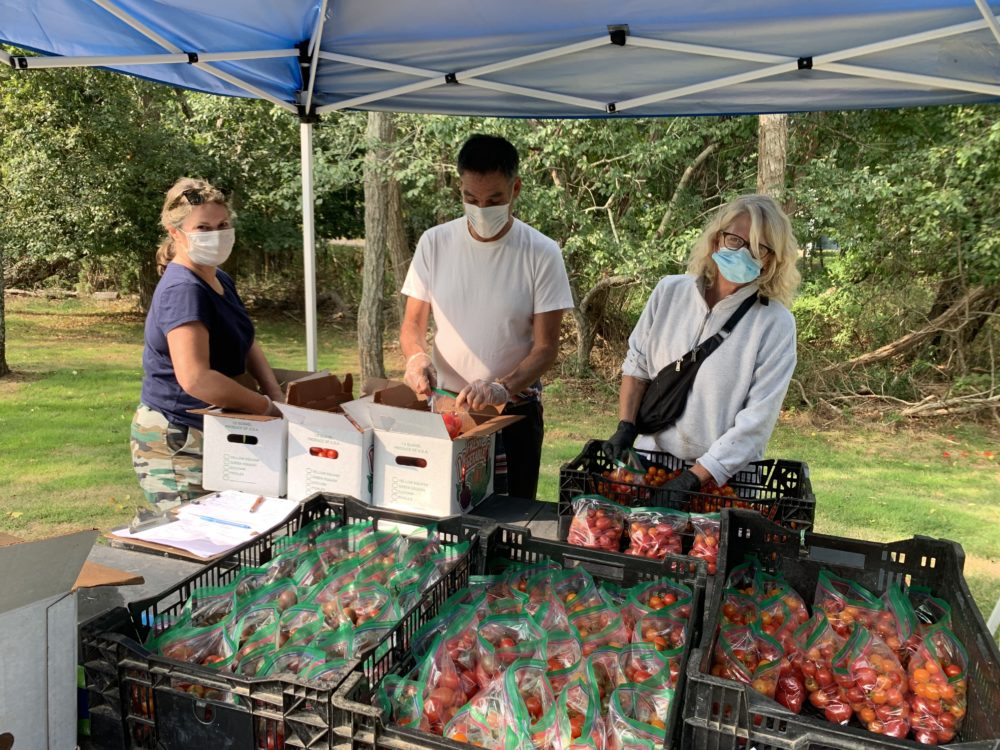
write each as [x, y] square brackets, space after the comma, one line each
[768, 225]
[176, 208]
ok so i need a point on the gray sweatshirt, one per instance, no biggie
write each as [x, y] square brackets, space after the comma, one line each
[737, 394]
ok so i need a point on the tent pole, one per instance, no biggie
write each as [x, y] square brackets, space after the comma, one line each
[308, 242]
[991, 20]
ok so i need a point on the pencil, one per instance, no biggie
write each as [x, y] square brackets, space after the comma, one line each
[257, 503]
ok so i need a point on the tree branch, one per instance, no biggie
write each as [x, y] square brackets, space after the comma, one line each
[685, 179]
[608, 282]
[914, 338]
[959, 405]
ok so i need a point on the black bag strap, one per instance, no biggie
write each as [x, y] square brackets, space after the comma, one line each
[712, 343]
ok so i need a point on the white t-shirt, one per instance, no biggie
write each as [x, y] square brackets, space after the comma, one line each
[483, 296]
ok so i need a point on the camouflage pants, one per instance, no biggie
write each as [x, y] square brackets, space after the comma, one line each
[167, 458]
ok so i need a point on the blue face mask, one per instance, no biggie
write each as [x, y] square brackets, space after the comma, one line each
[737, 266]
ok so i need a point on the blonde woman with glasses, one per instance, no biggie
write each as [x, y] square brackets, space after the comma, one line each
[744, 258]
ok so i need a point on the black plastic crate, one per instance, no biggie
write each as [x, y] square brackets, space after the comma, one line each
[776, 488]
[358, 724]
[725, 715]
[133, 695]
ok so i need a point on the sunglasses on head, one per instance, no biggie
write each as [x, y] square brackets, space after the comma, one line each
[198, 196]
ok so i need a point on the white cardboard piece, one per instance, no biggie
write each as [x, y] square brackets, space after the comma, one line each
[38, 638]
[350, 473]
[418, 467]
[244, 452]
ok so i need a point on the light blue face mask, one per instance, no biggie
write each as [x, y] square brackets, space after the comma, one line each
[737, 266]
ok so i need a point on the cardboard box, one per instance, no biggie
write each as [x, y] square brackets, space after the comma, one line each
[328, 450]
[418, 467]
[245, 452]
[38, 637]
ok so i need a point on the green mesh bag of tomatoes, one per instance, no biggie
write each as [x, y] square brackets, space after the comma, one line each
[291, 661]
[874, 684]
[817, 647]
[897, 623]
[642, 664]
[459, 648]
[625, 482]
[655, 533]
[550, 616]
[770, 660]
[597, 523]
[735, 654]
[279, 568]
[360, 603]
[310, 570]
[503, 639]
[737, 608]
[845, 603]
[528, 696]
[939, 683]
[208, 645]
[929, 609]
[768, 586]
[563, 658]
[638, 714]
[665, 634]
[313, 530]
[600, 626]
[248, 580]
[209, 605]
[659, 596]
[423, 638]
[575, 589]
[296, 617]
[601, 670]
[336, 643]
[444, 688]
[242, 626]
[346, 542]
[470, 727]
[707, 528]
[744, 577]
[581, 705]
[249, 660]
[775, 619]
[340, 575]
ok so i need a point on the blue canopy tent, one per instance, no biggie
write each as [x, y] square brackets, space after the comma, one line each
[524, 58]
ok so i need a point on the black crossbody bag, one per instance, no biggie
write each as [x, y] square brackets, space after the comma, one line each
[667, 394]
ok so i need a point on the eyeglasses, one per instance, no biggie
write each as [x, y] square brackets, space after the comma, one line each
[735, 242]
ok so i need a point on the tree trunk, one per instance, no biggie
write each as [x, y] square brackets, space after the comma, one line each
[4, 369]
[399, 252]
[772, 147]
[588, 314]
[377, 206]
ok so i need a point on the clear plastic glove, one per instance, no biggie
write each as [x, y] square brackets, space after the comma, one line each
[420, 374]
[481, 393]
[618, 445]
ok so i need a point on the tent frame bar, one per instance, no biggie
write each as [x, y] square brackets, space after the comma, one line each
[775, 65]
[313, 51]
[991, 20]
[132, 22]
[65, 61]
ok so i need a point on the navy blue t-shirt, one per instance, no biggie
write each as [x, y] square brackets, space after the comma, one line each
[182, 297]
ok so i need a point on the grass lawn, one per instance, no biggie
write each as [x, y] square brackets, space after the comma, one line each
[65, 415]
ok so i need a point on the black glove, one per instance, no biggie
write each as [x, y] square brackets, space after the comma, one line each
[679, 487]
[618, 445]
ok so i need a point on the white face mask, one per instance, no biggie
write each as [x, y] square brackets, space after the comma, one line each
[487, 221]
[210, 248]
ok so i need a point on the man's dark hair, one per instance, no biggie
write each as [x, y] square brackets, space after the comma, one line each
[483, 154]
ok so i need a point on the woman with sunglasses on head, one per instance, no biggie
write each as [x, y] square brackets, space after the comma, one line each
[747, 249]
[198, 337]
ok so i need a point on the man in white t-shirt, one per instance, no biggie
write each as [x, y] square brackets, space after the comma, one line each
[498, 290]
